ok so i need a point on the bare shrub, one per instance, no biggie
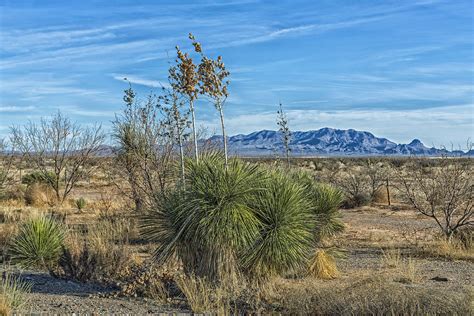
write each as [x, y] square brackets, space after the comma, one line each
[61, 150]
[6, 163]
[444, 192]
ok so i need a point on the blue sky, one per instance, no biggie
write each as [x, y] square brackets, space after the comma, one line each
[399, 69]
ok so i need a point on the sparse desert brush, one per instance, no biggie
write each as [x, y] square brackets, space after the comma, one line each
[38, 243]
[365, 296]
[391, 258]
[443, 192]
[7, 232]
[100, 254]
[454, 249]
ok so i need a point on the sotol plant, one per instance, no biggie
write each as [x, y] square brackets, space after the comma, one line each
[243, 219]
[38, 243]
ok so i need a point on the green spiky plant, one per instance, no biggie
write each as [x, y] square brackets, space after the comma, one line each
[80, 203]
[325, 203]
[243, 219]
[213, 221]
[285, 238]
[38, 243]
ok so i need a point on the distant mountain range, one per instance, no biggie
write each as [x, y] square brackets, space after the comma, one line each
[328, 142]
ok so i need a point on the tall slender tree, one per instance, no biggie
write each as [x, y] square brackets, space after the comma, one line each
[282, 122]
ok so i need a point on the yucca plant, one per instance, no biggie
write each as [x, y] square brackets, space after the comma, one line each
[243, 219]
[38, 243]
[325, 201]
[80, 203]
[285, 238]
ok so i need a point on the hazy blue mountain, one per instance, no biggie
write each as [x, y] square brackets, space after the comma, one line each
[326, 141]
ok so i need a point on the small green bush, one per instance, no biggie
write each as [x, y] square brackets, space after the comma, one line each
[38, 243]
[38, 177]
[80, 203]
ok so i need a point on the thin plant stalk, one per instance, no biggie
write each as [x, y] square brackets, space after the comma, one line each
[224, 137]
[193, 119]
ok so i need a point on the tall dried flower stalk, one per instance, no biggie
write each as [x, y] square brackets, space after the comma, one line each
[184, 80]
[282, 122]
[212, 75]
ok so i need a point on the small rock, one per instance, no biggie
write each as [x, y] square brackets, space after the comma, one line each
[440, 279]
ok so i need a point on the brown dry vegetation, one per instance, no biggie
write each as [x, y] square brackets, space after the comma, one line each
[390, 258]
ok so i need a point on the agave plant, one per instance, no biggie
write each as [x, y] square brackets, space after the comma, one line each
[38, 243]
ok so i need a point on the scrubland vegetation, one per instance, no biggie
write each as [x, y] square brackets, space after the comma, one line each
[178, 224]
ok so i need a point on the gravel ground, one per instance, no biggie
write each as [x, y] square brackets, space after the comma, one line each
[60, 297]
[50, 296]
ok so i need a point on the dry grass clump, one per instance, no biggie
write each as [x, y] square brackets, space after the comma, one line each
[365, 296]
[391, 258]
[452, 250]
[12, 293]
[323, 265]
[406, 269]
[101, 254]
[204, 296]
[39, 195]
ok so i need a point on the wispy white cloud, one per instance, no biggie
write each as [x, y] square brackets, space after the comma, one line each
[141, 81]
[16, 109]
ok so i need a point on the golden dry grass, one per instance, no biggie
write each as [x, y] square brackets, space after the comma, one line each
[323, 265]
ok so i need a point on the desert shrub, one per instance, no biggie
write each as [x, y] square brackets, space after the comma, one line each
[153, 282]
[13, 192]
[38, 243]
[245, 219]
[12, 293]
[77, 262]
[80, 203]
[38, 177]
[443, 192]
